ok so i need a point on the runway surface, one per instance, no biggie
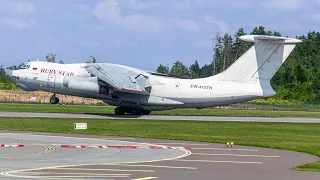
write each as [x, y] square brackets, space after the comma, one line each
[162, 117]
[43, 157]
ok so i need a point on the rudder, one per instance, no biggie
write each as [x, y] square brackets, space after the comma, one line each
[262, 60]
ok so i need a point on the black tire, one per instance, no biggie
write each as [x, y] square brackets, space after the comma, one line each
[136, 111]
[119, 111]
[54, 100]
[57, 100]
[146, 112]
[128, 110]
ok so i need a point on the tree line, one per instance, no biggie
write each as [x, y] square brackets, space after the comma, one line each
[298, 79]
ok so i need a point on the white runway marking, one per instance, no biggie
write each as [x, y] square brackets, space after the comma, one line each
[146, 178]
[189, 144]
[87, 169]
[244, 155]
[225, 149]
[234, 162]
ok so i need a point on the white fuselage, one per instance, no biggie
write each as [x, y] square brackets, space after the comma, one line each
[246, 79]
[167, 93]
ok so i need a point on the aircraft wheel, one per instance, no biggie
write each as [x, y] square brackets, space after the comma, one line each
[54, 100]
[136, 111]
[146, 112]
[120, 111]
[128, 110]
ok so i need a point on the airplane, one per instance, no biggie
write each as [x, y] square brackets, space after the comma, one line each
[138, 92]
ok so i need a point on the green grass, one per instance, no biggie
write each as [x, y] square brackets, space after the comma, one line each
[310, 167]
[301, 137]
[110, 110]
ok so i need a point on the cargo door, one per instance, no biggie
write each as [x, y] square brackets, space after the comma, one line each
[51, 81]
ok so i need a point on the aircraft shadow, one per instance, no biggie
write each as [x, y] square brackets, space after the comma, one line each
[128, 116]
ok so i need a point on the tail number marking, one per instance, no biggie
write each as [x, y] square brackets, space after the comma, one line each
[194, 86]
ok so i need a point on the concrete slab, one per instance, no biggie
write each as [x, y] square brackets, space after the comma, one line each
[205, 161]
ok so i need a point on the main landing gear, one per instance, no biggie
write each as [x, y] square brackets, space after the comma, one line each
[54, 99]
[132, 111]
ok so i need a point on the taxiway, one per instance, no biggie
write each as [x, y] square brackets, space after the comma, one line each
[43, 157]
[161, 117]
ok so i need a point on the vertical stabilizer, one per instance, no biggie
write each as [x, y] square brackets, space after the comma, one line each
[262, 60]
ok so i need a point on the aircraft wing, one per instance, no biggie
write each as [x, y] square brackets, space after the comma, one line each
[120, 78]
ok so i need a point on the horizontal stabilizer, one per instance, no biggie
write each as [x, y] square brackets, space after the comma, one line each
[274, 39]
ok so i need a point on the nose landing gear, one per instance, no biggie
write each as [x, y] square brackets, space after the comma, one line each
[54, 99]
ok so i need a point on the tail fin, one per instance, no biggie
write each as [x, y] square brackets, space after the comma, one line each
[262, 60]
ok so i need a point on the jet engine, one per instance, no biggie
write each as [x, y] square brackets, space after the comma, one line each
[87, 85]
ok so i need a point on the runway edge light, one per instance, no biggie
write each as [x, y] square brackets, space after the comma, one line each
[80, 125]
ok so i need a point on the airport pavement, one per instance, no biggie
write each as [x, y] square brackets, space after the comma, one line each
[43, 157]
[162, 117]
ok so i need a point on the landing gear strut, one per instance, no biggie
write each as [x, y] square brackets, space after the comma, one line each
[54, 99]
[132, 111]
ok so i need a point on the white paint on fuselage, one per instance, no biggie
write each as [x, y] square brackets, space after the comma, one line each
[212, 91]
[246, 79]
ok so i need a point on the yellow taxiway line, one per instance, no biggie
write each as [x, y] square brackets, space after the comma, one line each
[88, 174]
[15, 172]
[93, 176]
[47, 149]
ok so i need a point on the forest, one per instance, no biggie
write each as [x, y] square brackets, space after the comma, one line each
[297, 80]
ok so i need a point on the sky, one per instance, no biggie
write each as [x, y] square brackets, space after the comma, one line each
[139, 33]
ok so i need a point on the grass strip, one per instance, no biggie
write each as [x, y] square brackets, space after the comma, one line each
[301, 137]
[110, 110]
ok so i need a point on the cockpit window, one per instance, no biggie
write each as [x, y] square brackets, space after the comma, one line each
[23, 66]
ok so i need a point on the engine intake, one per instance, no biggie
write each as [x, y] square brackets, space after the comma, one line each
[88, 85]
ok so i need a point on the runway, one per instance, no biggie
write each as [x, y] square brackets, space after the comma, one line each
[161, 117]
[43, 157]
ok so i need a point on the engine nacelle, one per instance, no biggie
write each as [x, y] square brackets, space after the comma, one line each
[88, 86]
[67, 79]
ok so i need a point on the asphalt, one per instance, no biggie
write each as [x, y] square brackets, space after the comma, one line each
[162, 117]
[42, 157]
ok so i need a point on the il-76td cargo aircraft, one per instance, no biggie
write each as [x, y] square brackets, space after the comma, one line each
[138, 91]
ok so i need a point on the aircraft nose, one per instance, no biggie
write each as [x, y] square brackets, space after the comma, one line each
[9, 73]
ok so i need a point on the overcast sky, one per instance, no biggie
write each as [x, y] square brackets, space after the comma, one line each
[139, 33]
